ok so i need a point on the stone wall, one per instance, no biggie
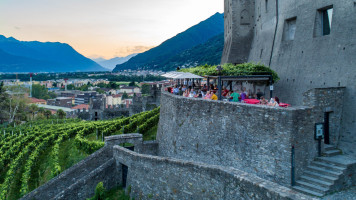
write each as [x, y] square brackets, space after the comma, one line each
[327, 100]
[152, 177]
[79, 181]
[256, 139]
[307, 61]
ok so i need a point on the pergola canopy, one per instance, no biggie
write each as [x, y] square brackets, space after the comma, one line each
[181, 75]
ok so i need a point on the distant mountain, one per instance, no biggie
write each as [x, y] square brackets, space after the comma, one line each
[156, 58]
[209, 53]
[111, 63]
[21, 56]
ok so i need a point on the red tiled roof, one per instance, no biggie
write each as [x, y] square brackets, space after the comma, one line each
[117, 95]
[81, 107]
[35, 100]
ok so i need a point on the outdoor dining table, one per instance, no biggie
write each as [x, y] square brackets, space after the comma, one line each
[284, 105]
[251, 101]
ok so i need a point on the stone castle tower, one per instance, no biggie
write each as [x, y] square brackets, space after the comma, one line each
[311, 44]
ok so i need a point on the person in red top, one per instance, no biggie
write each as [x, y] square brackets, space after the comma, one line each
[225, 92]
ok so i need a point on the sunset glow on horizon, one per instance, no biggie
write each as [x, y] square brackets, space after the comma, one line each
[106, 28]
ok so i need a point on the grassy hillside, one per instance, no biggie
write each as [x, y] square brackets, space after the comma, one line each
[34, 153]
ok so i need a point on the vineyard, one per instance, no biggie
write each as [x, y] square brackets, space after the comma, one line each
[33, 153]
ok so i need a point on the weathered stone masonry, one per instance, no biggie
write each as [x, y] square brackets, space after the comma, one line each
[307, 60]
[255, 139]
[153, 177]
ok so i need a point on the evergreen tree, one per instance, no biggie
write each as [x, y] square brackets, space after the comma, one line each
[61, 114]
[4, 104]
[125, 96]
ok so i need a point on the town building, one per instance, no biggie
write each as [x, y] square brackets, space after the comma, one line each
[37, 101]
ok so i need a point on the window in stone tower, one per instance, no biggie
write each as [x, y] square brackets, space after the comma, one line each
[290, 27]
[266, 4]
[327, 17]
[323, 21]
[245, 18]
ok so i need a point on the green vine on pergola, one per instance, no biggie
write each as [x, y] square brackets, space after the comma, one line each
[233, 70]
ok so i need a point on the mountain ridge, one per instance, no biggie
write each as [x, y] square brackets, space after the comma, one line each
[111, 63]
[38, 56]
[156, 57]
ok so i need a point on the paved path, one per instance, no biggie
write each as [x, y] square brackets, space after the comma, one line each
[349, 194]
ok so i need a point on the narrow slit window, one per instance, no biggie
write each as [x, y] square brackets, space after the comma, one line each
[326, 20]
[290, 28]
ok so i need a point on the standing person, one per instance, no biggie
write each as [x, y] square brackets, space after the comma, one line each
[190, 83]
[259, 94]
[211, 87]
[235, 96]
[243, 94]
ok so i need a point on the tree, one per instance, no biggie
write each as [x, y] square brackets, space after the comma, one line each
[84, 88]
[47, 113]
[113, 85]
[4, 103]
[132, 83]
[125, 96]
[61, 114]
[13, 106]
[146, 89]
[70, 87]
[33, 108]
[100, 91]
[41, 92]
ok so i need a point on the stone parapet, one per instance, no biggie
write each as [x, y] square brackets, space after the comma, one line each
[153, 177]
[253, 138]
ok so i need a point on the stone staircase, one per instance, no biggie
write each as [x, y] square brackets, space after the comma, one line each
[322, 173]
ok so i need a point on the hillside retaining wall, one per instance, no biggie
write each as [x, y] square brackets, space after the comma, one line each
[253, 138]
[153, 177]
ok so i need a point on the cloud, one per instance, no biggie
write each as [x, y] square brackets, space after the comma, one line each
[125, 51]
[17, 28]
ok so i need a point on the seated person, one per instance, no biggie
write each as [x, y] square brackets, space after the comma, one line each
[263, 101]
[259, 94]
[199, 94]
[228, 96]
[274, 102]
[214, 97]
[208, 95]
[224, 92]
[192, 93]
[205, 88]
[186, 93]
[184, 88]
[235, 96]
[176, 90]
[243, 95]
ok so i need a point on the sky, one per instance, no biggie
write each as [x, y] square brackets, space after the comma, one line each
[103, 28]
